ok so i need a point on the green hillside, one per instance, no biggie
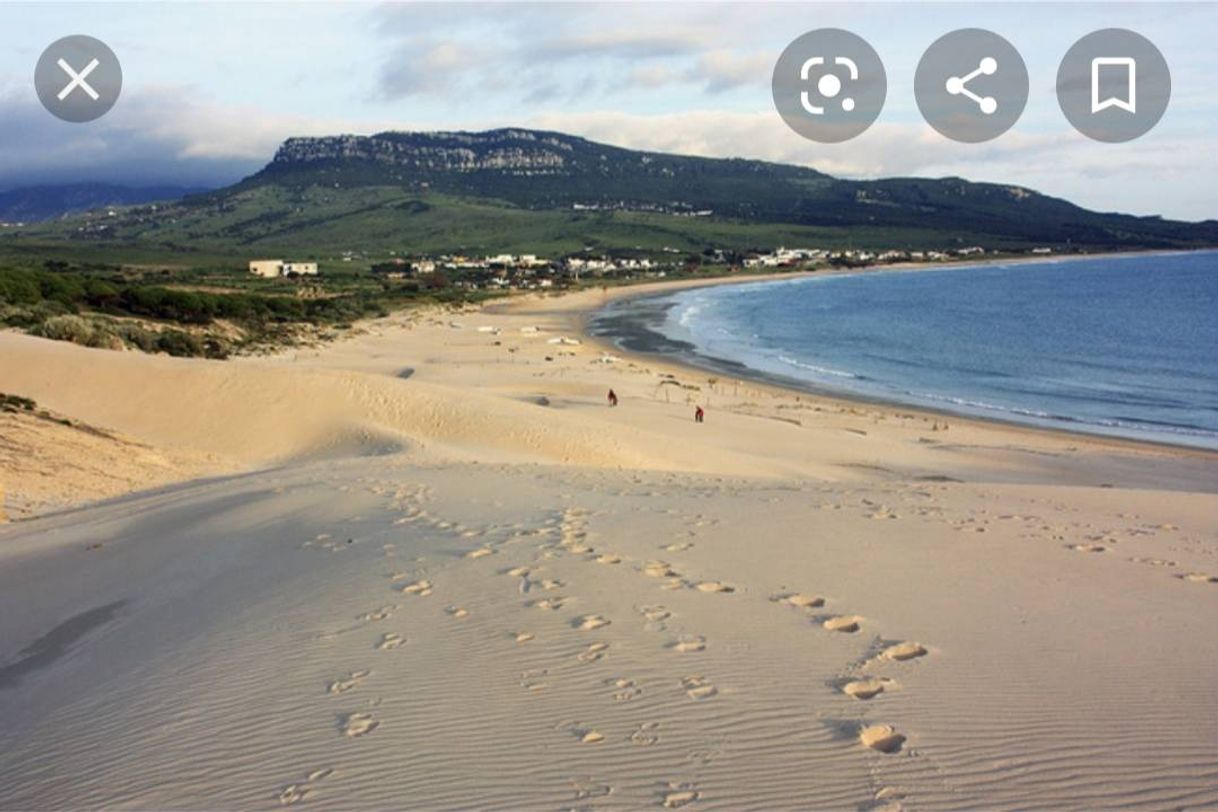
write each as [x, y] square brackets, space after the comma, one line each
[523, 191]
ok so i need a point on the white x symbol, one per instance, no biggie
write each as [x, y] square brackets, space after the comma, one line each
[78, 79]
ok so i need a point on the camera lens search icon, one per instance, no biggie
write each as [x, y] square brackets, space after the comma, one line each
[829, 85]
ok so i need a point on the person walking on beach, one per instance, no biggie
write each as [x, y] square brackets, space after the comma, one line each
[699, 415]
[612, 398]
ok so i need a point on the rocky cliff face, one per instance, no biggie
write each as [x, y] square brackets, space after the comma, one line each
[511, 151]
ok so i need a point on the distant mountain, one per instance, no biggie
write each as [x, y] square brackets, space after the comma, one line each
[32, 204]
[549, 170]
[548, 193]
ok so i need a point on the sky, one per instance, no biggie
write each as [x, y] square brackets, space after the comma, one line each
[211, 89]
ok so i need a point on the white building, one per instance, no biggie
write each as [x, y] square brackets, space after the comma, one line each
[271, 268]
[268, 268]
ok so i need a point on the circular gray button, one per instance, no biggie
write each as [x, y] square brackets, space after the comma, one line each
[1113, 85]
[829, 85]
[971, 85]
[78, 78]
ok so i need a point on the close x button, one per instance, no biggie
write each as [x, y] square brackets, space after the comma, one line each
[78, 78]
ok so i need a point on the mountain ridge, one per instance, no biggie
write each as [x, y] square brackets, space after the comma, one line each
[544, 192]
[545, 169]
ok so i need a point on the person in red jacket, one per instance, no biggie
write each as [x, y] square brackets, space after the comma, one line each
[699, 415]
[612, 398]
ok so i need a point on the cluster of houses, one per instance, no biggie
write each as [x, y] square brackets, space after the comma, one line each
[529, 271]
[794, 257]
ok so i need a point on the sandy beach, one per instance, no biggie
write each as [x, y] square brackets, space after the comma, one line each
[428, 567]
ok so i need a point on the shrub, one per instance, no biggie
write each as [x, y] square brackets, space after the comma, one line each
[176, 342]
[14, 403]
[65, 328]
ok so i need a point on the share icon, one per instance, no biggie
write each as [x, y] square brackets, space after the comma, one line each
[958, 85]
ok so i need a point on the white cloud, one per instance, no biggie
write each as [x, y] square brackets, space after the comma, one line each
[724, 69]
[158, 135]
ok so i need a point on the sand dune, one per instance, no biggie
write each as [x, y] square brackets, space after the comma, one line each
[263, 414]
[431, 591]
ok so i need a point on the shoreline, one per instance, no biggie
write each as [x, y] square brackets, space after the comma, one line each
[584, 315]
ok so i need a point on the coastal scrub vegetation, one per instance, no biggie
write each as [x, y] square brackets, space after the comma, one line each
[108, 308]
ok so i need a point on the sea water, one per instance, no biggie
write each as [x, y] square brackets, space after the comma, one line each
[1124, 345]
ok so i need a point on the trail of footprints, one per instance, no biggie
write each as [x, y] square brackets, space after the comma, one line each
[1090, 538]
[571, 528]
[856, 683]
[859, 684]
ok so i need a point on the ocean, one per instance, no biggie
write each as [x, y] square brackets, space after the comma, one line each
[1124, 346]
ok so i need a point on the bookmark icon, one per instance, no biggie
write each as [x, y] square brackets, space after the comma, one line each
[1130, 67]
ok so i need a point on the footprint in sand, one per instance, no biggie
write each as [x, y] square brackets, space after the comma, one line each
[608, 558]
[689, 644]
[532, 680]
[458, 612]
[714, 586]
[645, 735]
[589, 622]
[655, 615]
[903, 651]
[479, 553]
[586, 735]
[883, 738]
[849, 624]
[390, 640]
[522, 637]
[869, 688]
[548, 603]
[344, 684]
[1198, 578]
[552, 583]
[1154, 562]
[678, 546]
[358, 724]
[420, 588]
[590, 788]
[624, 689]
[593, 652]
[518, 572]
[679, 795]
[658, 569]
[698, 688]
[800, 600]
[378, 614]
[295, 793]
[1088, 548]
